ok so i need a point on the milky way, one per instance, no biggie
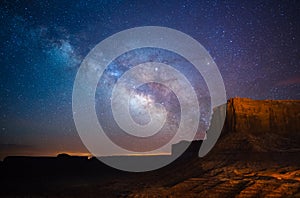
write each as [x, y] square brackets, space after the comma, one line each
[160, 99]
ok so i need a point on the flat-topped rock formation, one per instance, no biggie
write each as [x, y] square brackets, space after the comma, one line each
[261, 125]
[261, 116]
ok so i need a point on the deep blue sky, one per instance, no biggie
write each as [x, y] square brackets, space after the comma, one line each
[254, 43]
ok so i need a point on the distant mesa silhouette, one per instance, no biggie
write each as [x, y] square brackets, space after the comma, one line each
[63, 155]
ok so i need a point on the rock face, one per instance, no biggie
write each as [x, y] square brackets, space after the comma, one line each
[256, 126]
[191, 148]
[261, 125]
[261, 116]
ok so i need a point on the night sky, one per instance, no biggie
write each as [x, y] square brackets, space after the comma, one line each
[254, 43]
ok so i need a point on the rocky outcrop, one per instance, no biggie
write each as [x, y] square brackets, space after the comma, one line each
[191, 149]
[259, 116]
[261, 125]
[256, 126]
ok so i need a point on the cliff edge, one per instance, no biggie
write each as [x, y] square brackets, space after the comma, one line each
[261, 125]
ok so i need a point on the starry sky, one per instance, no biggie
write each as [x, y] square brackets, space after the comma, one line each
[254, 43]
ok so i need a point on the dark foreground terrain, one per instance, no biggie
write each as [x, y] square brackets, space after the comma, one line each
[216, 175]
[257, 155]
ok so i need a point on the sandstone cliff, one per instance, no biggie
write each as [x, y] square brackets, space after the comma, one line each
[261, 125]
[256, 126]
[259, 116]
